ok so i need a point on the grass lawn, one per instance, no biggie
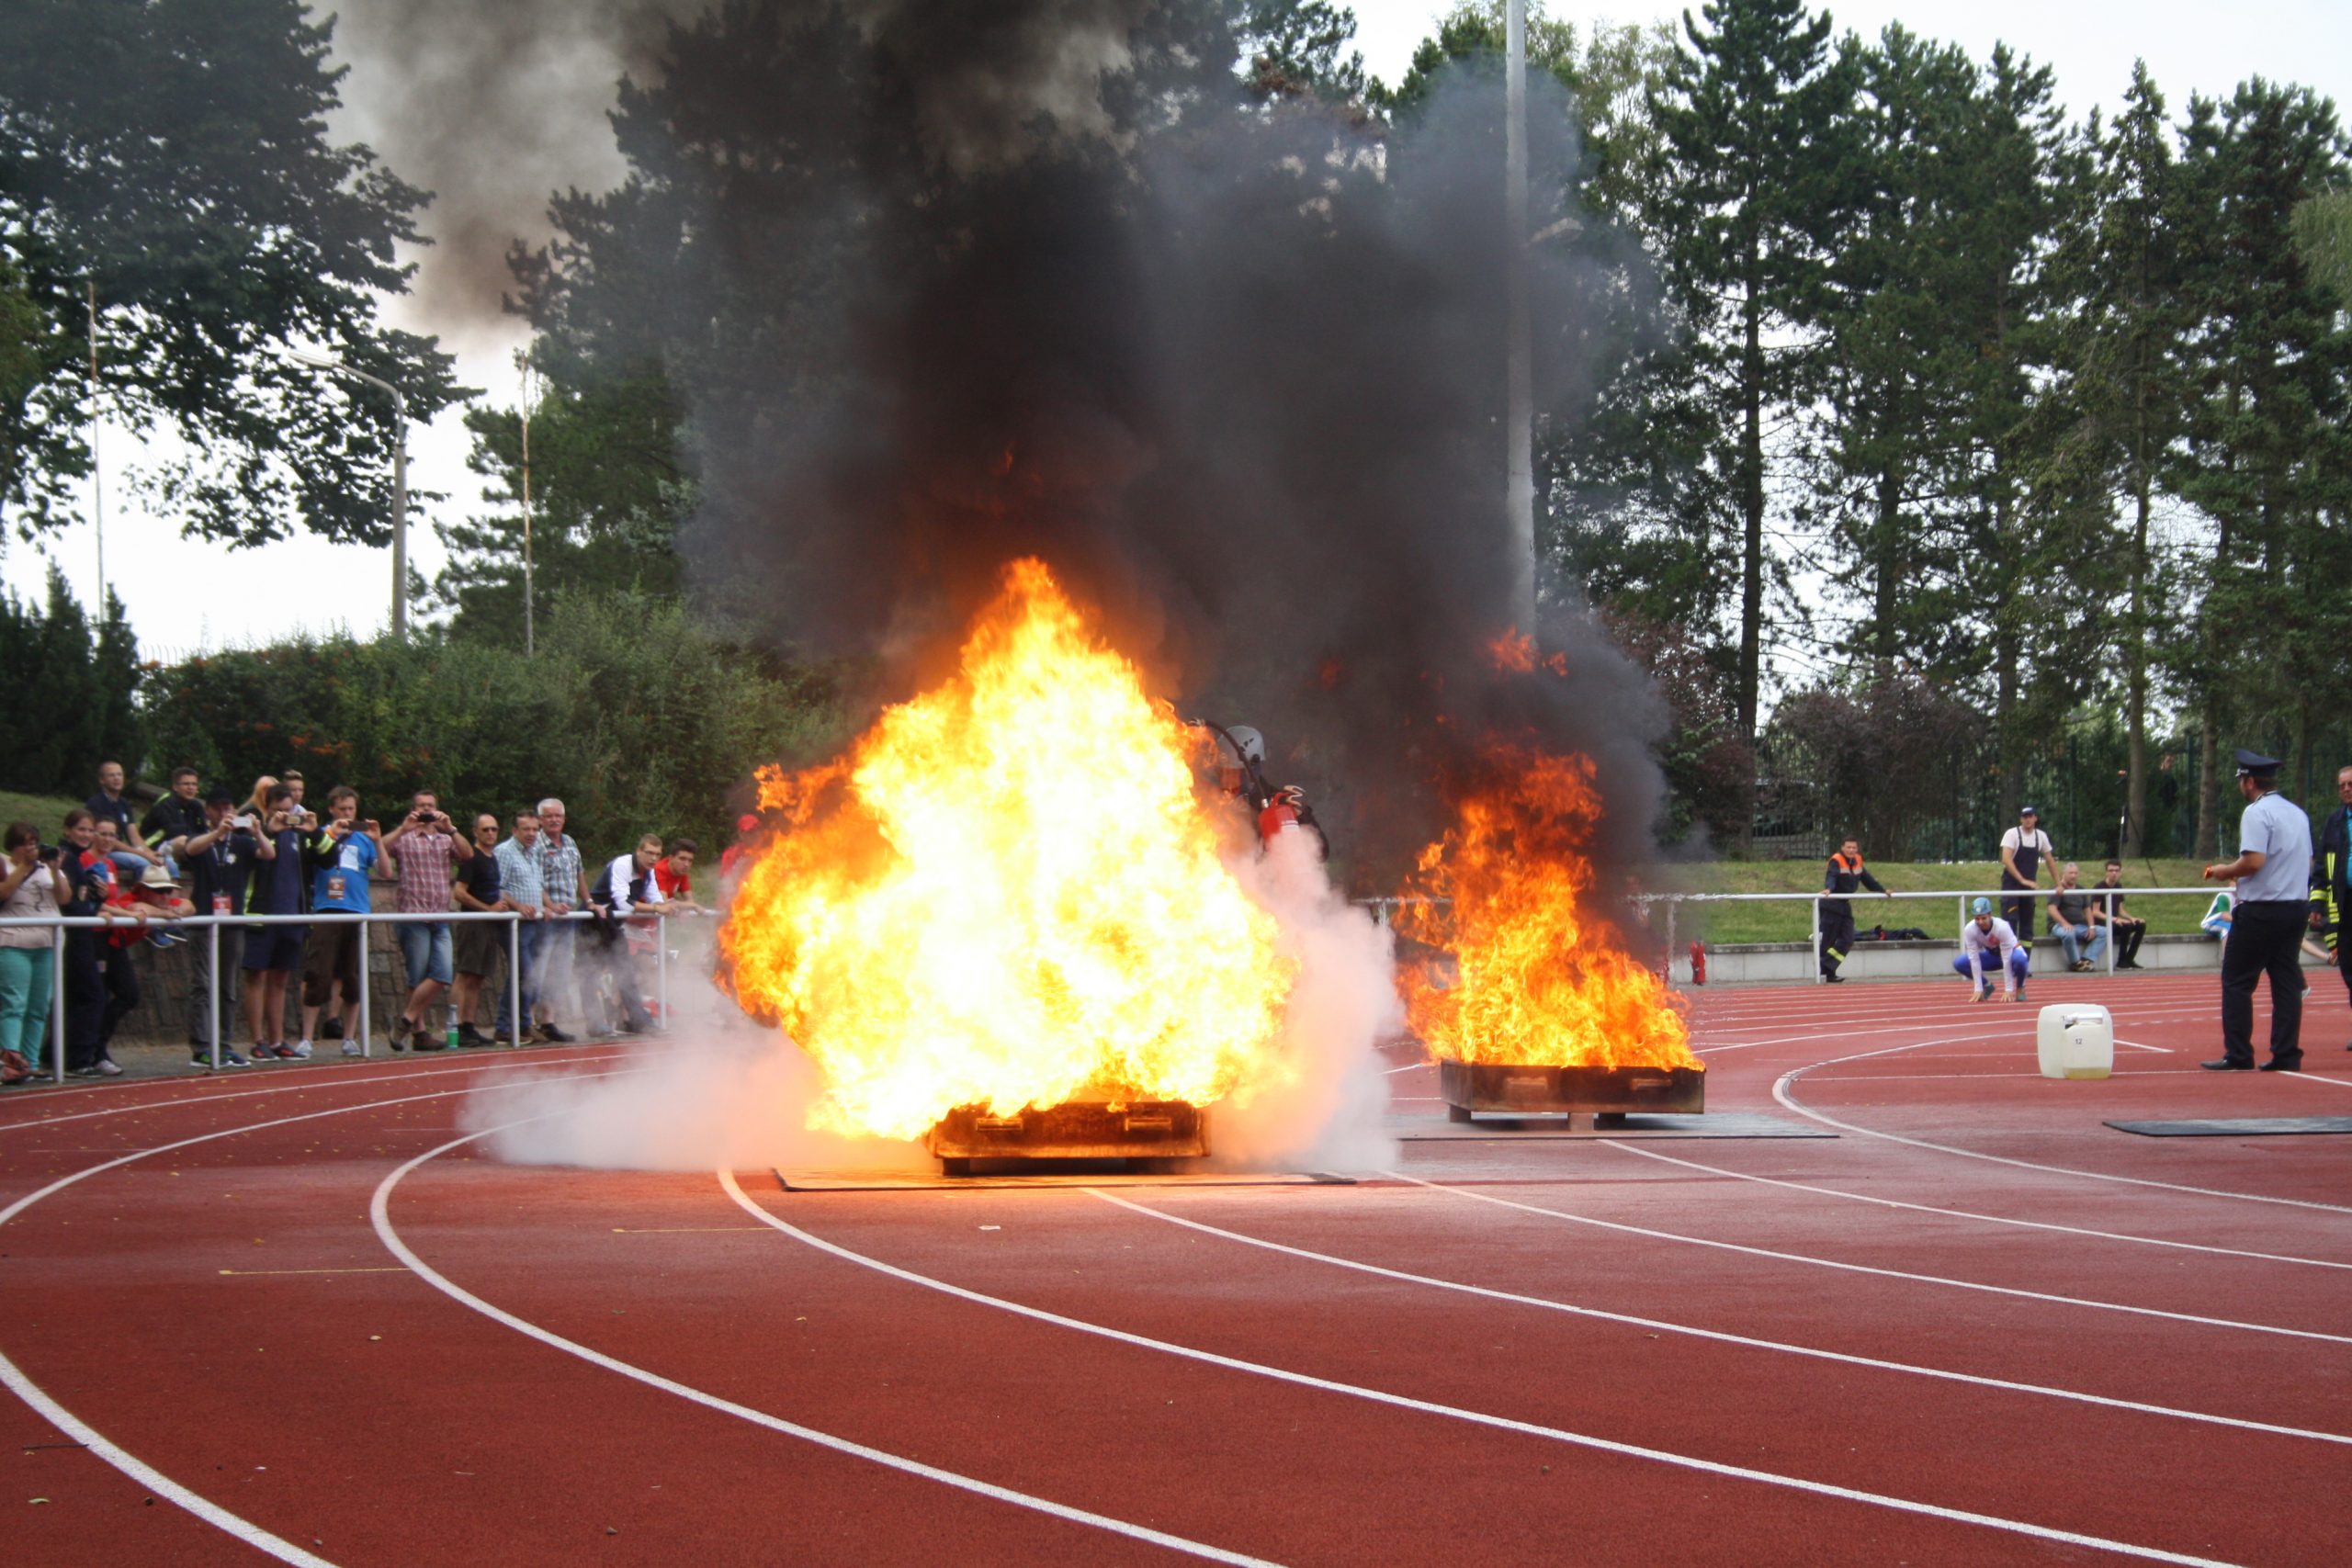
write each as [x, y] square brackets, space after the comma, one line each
[1793, 921]
[44, 812]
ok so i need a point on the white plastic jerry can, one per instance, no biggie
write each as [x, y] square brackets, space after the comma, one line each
[2076, 1040]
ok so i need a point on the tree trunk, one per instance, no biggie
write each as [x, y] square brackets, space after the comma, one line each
[1751, 502]
[2135, 717]
[2209, 779]
[1887, 586]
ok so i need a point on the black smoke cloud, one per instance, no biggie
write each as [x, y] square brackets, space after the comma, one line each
[949, 282]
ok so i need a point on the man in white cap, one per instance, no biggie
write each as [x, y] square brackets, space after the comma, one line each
[2273, 872]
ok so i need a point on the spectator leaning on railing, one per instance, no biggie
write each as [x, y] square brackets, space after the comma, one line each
[563, 885]
[626, 885]
[339, 855]
[477, 943]
[90, 1037]
[675, 875]
[518, 880]
[29, 889]
[221, 862]
[426, 847]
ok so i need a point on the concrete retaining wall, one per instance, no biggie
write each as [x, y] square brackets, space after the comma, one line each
[1766, 963]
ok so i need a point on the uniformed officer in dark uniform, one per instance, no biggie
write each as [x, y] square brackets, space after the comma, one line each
[1845, 874]
[2273, 875]
[2332, 878]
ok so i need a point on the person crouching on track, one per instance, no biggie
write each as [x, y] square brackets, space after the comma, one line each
[1846, 874]
[1985, 934]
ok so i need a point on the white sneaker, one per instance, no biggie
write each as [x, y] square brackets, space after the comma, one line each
[108, 1068]
[301, 1052]
[350, 1048]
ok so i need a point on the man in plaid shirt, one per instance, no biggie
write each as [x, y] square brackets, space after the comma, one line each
[427, 848]
[563, 882]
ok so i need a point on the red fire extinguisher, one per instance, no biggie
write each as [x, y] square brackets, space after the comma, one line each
[1698, 963]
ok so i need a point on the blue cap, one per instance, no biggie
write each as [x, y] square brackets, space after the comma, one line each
[2027, 811]
[1984, 907]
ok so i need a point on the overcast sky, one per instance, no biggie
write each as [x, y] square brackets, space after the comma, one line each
[184, 596]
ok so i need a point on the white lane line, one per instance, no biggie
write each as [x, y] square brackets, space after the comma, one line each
[2316, 1078]
[1721, 1335]
[1967, 1214]
[326, 1081]
[1984, 1076]
[1406, 1068]
[2021, 1030]
[2148, 1009]
[380, 1214]
[1785, 1094]
[2091, 1302]
[1457, 1413]
[2135, 1045]
[13, 1376]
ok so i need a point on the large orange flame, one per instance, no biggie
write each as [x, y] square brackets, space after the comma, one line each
[1008, 894]
[1537, 980]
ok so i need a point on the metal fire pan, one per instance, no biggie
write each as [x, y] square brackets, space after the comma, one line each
[1507, 1088]
[1075, 1130]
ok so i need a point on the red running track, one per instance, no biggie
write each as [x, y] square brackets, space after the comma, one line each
[301, 1320]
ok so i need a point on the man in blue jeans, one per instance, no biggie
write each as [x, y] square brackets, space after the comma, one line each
[2070, 921]
[518, 884]
[425, 847]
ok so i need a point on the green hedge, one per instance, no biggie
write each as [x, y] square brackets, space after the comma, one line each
[640, 720]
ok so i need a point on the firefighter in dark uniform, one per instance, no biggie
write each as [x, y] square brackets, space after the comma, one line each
[2332, 877]
[2267, 920]
[1846, 874]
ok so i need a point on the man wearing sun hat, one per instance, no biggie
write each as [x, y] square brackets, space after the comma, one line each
[2272, 872]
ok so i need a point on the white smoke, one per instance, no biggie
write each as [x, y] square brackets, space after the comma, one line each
[1329, 1115]
[721, 1091]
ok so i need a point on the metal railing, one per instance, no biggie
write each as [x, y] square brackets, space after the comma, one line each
[57, 925]
[2037, 895]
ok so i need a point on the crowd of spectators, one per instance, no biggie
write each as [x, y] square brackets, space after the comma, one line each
[267, 854]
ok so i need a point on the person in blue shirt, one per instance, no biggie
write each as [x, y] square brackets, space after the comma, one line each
[2273, 876]
[340, 855]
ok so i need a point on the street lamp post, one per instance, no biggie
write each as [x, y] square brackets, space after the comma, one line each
[400, 479]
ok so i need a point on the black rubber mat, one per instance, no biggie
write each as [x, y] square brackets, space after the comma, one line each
[2237, 1127]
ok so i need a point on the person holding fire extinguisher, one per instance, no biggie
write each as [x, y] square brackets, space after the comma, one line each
[1845, 874]
[1241, 756]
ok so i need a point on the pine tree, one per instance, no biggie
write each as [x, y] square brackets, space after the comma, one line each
[1900, 351]
[1750, 115]
[2121, 374]
[2268, 454]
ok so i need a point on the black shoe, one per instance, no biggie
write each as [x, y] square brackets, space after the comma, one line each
[398, 1035]
[2292, 1065]
[330, 1029]
[468, 1036]
[554, 1036]
[1833, 979]
[2226, 1065]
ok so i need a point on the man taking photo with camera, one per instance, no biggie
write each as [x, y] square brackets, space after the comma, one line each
[426, 849]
